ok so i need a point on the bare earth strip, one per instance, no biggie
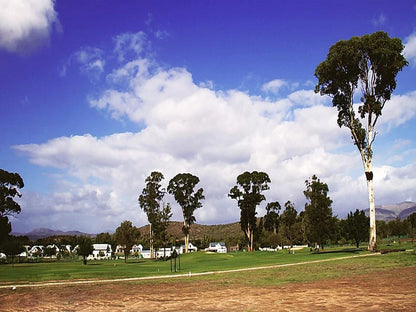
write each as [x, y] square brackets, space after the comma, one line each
[392, 290]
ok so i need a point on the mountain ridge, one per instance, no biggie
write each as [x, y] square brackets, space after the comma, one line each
[392, 211]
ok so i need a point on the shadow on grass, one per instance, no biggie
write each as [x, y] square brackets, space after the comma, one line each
[351, 250]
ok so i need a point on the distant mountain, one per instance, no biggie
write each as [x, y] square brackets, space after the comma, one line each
[44, 232]
[390, 212]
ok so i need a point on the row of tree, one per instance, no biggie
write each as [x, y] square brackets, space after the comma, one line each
[317, 218]
[316, 225]
[354, 229]
[151, 200]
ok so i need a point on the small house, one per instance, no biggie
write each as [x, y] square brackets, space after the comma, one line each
[101, 251]
[217, 247]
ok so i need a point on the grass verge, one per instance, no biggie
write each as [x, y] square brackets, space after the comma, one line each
[202, 262]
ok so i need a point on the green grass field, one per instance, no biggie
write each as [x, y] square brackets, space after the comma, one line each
[202, 262]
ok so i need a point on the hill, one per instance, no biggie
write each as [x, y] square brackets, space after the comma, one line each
[218, 232]
[44, 232]
[198, 231]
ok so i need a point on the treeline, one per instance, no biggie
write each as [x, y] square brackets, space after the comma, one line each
[316, 225]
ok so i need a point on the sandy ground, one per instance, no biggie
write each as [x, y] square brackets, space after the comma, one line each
[382, 291]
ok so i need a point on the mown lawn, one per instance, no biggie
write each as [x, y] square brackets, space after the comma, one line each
[203, 262]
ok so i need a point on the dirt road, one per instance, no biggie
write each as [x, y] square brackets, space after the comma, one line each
[378, 291]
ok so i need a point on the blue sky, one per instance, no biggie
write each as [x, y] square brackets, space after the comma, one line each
[97, 94]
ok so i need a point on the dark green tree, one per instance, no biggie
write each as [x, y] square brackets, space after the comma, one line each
[357, 226]
[412, 224]
[127, 235]
[85, 247]
[365, 66]
[151, 201]
[12, 246]
[271, 219]
[397, 227]
[5, 229]
[103, 238]
[49, 251]
[318, 212]
[10, 184]
[288, 221]
[248, 193]
[161, 226]
[182, 187]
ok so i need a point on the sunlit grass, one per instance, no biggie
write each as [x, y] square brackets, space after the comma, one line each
[203, 262]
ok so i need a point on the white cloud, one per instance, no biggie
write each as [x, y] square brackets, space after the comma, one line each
[130, 44]
[399, 110]
[410, 49]
[274, 86]
[89, 60]
[213, 134]
[25, 24]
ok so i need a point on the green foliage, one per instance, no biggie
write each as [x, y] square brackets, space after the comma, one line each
[182, 188]
[248, 193]
[318, 220]
[103, 238]
[370, 64]
[10, 183]
[85, 247]
[127, 235]
[271, 219]
[12, 246]
[158, 214]
[152, 195]
[5, 228]
[288, 220]
[357, 226]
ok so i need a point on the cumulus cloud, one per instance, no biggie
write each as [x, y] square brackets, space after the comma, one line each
[410, 49]
[26, 24]
[274, 86]
[399, 110]
[214, 134]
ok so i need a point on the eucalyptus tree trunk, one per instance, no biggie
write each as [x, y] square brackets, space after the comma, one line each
[152, 253]
[185, 225]
[250, 236]
[367, 162]
[372, 244]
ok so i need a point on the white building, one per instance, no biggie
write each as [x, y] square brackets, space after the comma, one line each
[191, 248]
[101, 251]
[217, 247]
[36, 251]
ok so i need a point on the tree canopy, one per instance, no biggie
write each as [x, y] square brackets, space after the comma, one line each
[271, 219]
[367, 67]
[10, 183]
[248, 193]
[357, 226]
[318, 212]
[158, 214]
[182, 187]
[85, 247]
[288, 220]
[127, 235]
